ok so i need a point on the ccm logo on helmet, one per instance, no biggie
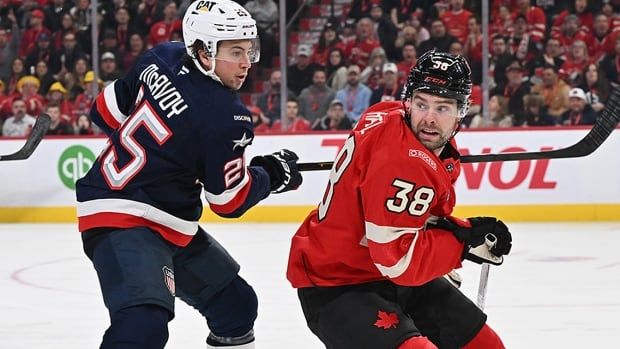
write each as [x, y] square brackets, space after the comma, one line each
[434, 80]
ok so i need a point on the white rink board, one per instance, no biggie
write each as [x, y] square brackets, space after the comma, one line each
[36, 182]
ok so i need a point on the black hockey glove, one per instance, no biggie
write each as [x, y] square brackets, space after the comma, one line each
[282, 169]
[487, 241]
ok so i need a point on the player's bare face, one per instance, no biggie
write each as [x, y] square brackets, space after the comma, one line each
[433, 120]
[233, 62]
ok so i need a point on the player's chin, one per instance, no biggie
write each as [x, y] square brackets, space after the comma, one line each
[431, 145]
[236, 83]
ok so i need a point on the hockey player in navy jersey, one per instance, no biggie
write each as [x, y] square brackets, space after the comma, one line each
[176, 127]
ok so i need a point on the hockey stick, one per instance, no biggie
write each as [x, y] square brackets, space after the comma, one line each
[36, 135]
[482, 285]
[604, 125]
[490, 240]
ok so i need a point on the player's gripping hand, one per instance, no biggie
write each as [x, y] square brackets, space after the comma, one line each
[282, 169]
[487, 241]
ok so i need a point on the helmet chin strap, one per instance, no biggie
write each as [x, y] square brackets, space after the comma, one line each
[210, 73]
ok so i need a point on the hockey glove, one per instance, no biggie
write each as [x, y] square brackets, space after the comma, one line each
[282, 169]
[487, 241]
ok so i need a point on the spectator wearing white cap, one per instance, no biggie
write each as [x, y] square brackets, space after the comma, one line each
[389, 90]
[579, 110]
[109, 68]
[299, 74]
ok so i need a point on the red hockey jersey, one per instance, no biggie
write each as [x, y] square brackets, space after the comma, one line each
[370, 225]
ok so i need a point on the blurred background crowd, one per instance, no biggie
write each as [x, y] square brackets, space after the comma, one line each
[551, 62]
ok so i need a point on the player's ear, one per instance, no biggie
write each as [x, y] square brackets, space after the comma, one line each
[204, 59]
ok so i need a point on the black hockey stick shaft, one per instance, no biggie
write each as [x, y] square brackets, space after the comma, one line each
[603, 127]
[36, 135]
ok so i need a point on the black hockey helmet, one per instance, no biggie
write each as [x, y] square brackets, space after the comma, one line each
[441, 74]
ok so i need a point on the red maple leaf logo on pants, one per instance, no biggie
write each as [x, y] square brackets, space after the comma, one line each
[386, 320]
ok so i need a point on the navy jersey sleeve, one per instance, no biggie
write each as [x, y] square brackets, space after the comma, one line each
[115, 102]
[231, 187]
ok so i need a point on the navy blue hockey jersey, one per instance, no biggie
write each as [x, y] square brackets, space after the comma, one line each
[172, 133]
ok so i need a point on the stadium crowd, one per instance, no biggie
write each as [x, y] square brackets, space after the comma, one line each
[552, 62]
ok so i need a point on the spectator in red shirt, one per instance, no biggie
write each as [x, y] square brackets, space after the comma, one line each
[600, 40]
[148, 13]
[294, 122]
[259, 120]
[30, 36]
[579, 9]
[327, 41]
[473, 49]
[456, 19]
[160, 31]
[358, 51]
[501, 21]
[570, 32]
[576, 61]
[28, 87]
[84, 100]
[410, 57]
[535, 17]
[57, 94]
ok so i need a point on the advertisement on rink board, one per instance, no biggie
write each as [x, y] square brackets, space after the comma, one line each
[42, 188]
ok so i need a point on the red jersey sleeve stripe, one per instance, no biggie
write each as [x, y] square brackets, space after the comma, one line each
[231, 199]
[107, 106]
[122, 220]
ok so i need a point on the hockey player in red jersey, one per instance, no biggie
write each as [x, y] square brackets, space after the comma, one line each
[176, 128]
[368, 262]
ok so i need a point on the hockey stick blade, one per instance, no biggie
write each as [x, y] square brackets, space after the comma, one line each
[603, 127]
[36, 135]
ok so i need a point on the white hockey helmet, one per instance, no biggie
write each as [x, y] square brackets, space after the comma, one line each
[213, 21]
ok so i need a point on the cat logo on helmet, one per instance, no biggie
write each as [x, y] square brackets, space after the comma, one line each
[205, 6]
